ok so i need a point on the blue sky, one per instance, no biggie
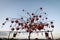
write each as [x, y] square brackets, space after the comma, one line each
[13, 8]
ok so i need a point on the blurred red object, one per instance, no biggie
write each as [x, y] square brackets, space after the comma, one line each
[16, 21]
[12, 29]
[40, 26]
[17, 28]
[40, 8]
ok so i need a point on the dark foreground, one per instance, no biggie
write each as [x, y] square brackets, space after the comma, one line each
[26, 39]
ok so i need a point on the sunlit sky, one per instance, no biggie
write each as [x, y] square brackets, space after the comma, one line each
[13, 8]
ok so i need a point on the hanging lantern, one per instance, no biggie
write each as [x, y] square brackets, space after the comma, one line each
[40, 16]
[32, 13]
[12, 21]
[41, 26]
[52, 26]
[12, 29]
[41, 8]
[51, 22]
[46, 34]
[17, 28]
[16, 21]
[7, 18]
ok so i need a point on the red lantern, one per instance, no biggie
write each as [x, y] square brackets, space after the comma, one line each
[16, 21]
[17, 28]
[12, 29]
[41, 8]
[52, 26]
[40, 26]
[32, 13]
[40, 16]
[7, 18]
[51, 22]
[12, 21]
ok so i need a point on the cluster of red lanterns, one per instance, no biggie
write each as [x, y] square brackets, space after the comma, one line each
[30, 24]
